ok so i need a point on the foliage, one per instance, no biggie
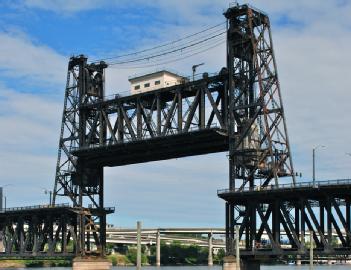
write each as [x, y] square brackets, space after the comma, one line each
[60, 263]
[177, 254]
[132, 256]
[112, 259]
[218, 258]
[34, 263]
[171, 254]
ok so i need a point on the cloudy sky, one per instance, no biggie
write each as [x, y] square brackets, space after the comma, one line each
[312, 45]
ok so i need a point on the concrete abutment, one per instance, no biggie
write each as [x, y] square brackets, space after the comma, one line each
[230, 263]
[91, 264]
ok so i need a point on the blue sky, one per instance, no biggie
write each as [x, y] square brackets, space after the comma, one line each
[311, 41]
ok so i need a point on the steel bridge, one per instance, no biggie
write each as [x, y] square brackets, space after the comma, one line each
[239, 110]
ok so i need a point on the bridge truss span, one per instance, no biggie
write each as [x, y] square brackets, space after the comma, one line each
[182, 120]
[322, 210]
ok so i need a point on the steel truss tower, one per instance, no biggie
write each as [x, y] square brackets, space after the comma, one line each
[259, 152]
[82, 184]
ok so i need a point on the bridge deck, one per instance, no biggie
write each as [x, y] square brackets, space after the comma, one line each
[263, 253]
[192, 143]
[35, 210]
[335, 188]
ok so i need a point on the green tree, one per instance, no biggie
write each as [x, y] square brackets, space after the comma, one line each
[132, 256]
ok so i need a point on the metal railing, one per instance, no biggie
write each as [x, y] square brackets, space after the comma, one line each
[318, 184]
[45, 206]
[34, 207]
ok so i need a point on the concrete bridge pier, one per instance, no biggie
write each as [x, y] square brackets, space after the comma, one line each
[158, 248]
[298, 260]
[210, 250]
[230, 263]
[250, 265]
[91, 264]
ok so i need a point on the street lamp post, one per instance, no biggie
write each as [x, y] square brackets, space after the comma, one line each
[194, 67]
[314, 162]
[50, 195]
[3, 197]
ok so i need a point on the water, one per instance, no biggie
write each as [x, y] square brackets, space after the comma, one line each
[263, 267]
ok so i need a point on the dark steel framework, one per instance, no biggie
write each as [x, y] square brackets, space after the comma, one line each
[257, 201]
[82, 184]
[259, 150]
[286, 213]
[238, 110]
[38, 232]
[182, 120]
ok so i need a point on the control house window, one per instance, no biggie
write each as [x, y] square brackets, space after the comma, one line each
[157, 82]
[147, 85]
[137, 87]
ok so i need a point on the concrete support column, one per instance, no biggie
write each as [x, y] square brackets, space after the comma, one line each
[298, 259]
[147, 250]
[138, 245]
[231, 262]
[210, 249]
[237, 248]
[158, 248]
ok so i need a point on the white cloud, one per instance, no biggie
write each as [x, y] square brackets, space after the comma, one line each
[313, 68]
[64, 5]
[28, 139]
[28, 121]
[169, 192]
[21, 58]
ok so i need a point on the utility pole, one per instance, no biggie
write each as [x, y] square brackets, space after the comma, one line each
[138, 245]
[1, 199]
[158, 248]
[50, 195]
[210, 248]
